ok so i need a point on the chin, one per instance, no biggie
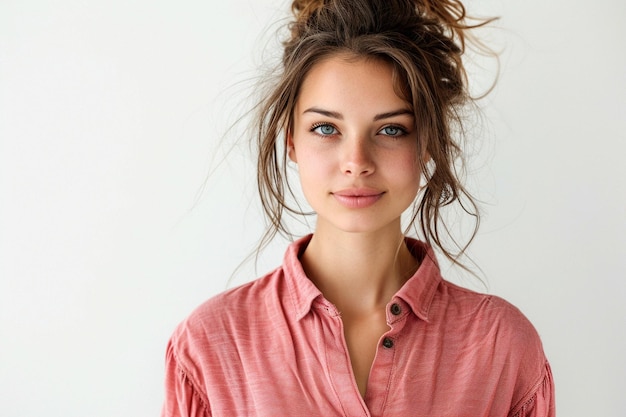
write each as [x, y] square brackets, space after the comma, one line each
[359, 225]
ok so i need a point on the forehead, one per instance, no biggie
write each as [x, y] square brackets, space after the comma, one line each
[350, 83]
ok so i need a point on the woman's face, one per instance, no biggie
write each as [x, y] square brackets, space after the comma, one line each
[355, 144]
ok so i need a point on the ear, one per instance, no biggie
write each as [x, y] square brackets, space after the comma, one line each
[291, 150]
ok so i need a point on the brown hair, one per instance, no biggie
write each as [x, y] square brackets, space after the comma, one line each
[424, 41]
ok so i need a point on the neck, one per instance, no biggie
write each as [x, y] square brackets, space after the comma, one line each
[358, 272]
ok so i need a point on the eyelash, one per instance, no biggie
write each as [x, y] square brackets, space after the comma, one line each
[401, 131]
[318, 125]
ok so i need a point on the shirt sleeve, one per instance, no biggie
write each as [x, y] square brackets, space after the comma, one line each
[541, 402]
[181, 396]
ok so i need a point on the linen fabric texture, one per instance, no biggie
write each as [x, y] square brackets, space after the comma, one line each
[276, 347]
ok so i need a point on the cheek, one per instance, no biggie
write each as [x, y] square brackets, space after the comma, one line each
[406, 166]
[312, 170]
[312, 160]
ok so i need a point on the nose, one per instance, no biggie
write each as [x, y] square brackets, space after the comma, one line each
[357, 157]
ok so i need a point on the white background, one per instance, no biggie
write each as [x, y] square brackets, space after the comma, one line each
[112, 113]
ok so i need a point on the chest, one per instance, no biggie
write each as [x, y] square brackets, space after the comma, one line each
[306, 368]
[363, 334]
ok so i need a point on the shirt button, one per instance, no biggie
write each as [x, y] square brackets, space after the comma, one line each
[395, 309]
[388, 343]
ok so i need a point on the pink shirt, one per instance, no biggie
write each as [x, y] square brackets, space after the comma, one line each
[275, 347]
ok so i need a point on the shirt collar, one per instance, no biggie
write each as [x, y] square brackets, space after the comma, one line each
[417, 292]
[302, 291]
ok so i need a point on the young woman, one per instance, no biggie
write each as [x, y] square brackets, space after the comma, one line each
[358, 320]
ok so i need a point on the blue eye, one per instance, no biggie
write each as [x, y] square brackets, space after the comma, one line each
[392, 131]
[325, 130]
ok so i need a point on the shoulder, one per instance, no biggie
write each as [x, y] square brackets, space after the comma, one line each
[498, 332]
[206, 347]
[236, 303]
[490, 310]
[227, 316]
[489, 321]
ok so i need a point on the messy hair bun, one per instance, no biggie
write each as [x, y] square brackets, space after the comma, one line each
[303, 9]
[423, 41]
[450, 13]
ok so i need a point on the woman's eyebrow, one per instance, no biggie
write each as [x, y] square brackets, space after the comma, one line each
[393, 114]
[327, 113]
[339, 116]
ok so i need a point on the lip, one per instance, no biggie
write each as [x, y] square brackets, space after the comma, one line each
[357, 197]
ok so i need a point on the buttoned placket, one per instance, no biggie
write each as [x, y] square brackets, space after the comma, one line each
[381, 373]
[380, 380]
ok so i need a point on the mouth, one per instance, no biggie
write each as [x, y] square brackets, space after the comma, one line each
[358, 197]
